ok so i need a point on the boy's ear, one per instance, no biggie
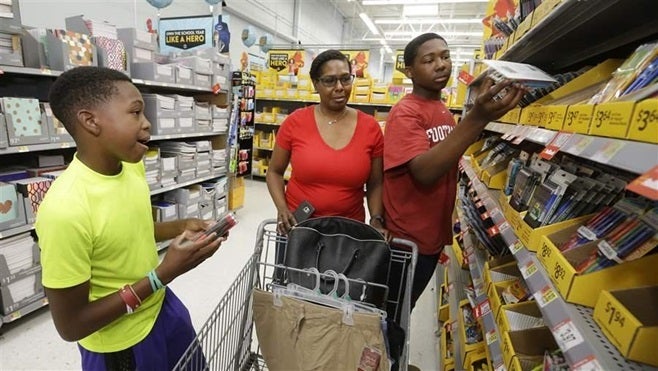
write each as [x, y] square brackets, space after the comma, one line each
[88, 122]
[408, 71]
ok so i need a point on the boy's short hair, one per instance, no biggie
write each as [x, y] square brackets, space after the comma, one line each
[411, 50]
[81, 88]
[324, 57]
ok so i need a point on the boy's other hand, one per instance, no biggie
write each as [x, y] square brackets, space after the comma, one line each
[185, 253]
[490, 106]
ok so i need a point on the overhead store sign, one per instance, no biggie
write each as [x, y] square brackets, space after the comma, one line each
[359, 59]
[286, 62]
[185, 33]
[398, 72]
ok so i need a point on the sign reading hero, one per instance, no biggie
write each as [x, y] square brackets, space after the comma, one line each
[185, 39]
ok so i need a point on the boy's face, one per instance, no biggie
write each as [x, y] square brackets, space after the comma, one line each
[432, 66]
[125, 129]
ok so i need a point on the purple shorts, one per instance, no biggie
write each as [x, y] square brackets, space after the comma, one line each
[170, 337]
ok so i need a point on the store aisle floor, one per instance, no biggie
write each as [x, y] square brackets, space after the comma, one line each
[32, 343]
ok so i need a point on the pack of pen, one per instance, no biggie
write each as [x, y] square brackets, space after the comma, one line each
[606, 221]
[513, 168]
[547, 197]
[527, 180]
[634, 238]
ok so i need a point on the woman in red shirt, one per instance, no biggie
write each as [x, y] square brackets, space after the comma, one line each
[334, 150]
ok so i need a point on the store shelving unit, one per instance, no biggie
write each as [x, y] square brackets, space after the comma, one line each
[572, 325]
[34, 82]
[632, 156]
[476, 259]
[457, 280]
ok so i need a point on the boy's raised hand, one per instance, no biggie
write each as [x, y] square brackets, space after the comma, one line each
[186, 252]
[488, 107]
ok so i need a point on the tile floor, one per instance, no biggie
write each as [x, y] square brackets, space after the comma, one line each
[32, 343]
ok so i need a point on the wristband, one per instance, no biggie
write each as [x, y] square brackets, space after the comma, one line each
[130, 298]
[155, 282]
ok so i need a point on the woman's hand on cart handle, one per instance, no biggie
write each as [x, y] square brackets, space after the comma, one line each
[284, 221]
[377, 222]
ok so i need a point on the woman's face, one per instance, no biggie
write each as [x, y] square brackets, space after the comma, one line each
[334, 84]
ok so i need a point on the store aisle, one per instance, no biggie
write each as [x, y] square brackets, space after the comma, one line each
[32, 343]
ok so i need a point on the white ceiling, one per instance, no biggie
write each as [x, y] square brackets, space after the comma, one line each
[458, 21]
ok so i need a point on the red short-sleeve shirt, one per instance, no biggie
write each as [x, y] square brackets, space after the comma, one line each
[413, 211]
[331, 180]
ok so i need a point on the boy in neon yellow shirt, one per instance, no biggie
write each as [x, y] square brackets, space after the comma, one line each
[97, 237]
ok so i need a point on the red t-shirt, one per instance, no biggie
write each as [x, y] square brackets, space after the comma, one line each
[331, 180]
[415, 212]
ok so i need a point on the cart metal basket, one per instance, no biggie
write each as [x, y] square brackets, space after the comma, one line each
[226, 341]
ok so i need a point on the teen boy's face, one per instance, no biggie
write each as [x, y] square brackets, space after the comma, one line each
[432, 66]
[125, 129]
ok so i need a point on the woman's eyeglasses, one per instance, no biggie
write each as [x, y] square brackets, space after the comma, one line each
[330, 81]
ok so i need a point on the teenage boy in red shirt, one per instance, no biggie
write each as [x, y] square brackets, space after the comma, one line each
[422, 146]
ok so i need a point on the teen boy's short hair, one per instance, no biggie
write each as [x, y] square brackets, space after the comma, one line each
[411, 50]
[324, 57]
[81, 88]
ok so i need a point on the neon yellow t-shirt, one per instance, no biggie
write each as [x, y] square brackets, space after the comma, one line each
[99, 228]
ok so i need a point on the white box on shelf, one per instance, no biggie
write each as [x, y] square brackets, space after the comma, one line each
[202, 80]
[139, 38]
[184, 74]
[152, 71]
[164, 211]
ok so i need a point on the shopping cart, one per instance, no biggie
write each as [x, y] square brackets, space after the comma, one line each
[226, 341]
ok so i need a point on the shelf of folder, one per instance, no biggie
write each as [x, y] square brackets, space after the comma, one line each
[35, 148]
[299, 100]
[582, 28]
[585, 347]
[636, 157]
[44, 72]
[18, 230]
[13, 316]
[185, 184]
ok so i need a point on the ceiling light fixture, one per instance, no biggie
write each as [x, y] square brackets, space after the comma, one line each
[428, 21]
[368, 22]
[420, 10]
[419, 2]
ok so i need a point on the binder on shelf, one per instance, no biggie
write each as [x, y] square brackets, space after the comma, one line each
[19, 255]
[11, 19]
[21, 292]
[4, 141]
[23, 121]
[11, 53]
[63, 54]
[13, 207]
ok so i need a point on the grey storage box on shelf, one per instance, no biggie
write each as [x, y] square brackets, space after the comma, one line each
[10, 17]
[11, 53]
[202, 80]
[185, 196]
[133, 37]
[206, 210]
[56, 129]
[160, 110]
[22, 292]
[198, 64]
[19, 257]
[187, 125]
[152, 71]
[66, 49]
[164, 211]
[190, 210]
[23, 121]
[184, 74]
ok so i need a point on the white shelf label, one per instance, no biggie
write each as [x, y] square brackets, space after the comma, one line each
[588, 364]
[567, 335]
[516, 247]
[492, 337]
[528, 270]
[545, 296]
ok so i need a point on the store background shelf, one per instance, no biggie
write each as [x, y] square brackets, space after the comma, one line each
[458, 279]
[578, 30]
[572, 326]
[636, 157]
